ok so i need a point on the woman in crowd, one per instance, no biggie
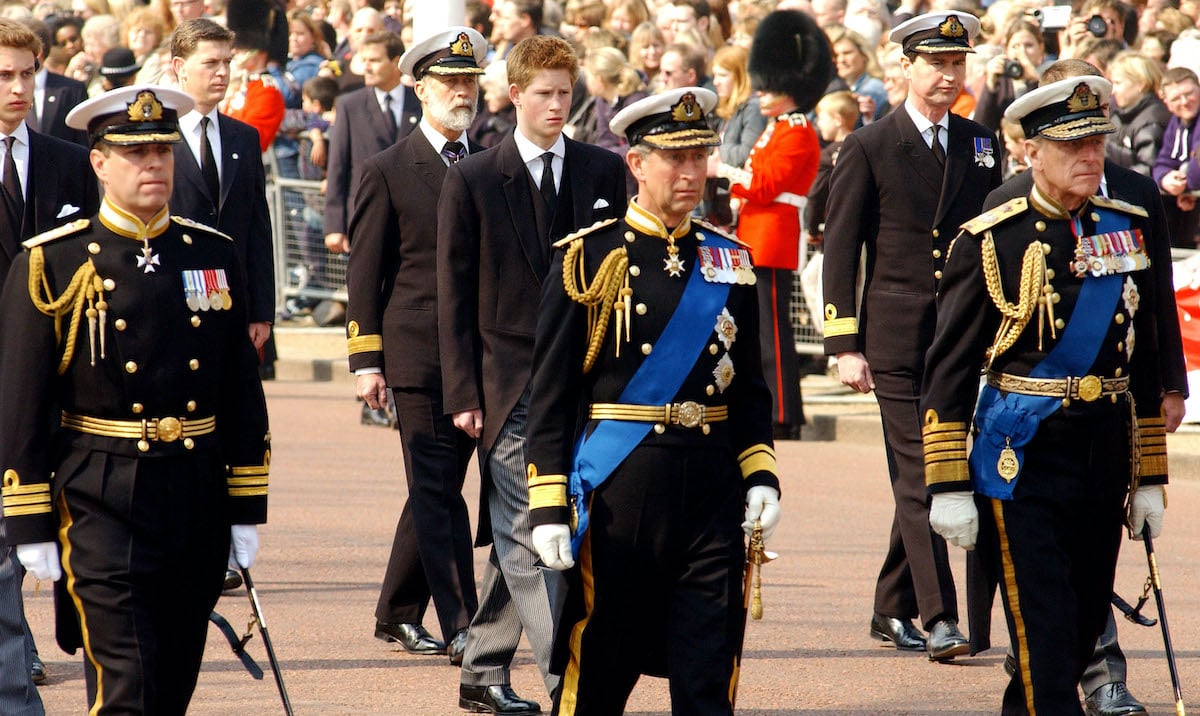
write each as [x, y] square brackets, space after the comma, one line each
[1012, 73]
[1140, 116]
[144, 32]
[740, 124]
[625, 15]
[498, 116]
[855, 63]
[306, 52]
[612, 84]
[646, 46]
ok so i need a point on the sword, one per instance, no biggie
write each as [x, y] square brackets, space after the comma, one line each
[756, 557]
[1132, 613]
[262, 629]
[238, 644]
[1156, 584]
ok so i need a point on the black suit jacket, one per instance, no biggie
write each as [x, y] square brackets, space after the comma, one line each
[491, 266]
[61, 188]
[889, 197]
[361, 131]
[392, 273]
[62, 94]
[1128, 185]
[243, 211]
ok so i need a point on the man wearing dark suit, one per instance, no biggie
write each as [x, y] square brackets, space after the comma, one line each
[1103, 682]
[369, 121]
[53, 95]
[498, 215]
[46, 182]
[231, 195]
[901, 188]
[393, 343]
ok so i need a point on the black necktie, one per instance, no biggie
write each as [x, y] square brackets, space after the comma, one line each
[208, 165]
[12, 182]
[546, 186]
[939, 152]
[454, 151]
[388, 114]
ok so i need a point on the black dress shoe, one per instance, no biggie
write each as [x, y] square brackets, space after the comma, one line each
[900, 632]
[37, 671]
[456, 647]
[233, 580]
[945, 641]
[378, 417]
[1010, 664]
[1113, 700]
[499, 699]
[413, 637]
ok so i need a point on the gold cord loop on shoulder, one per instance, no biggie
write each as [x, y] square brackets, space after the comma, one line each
[84, 295]
[1032, 293]
[607, 293]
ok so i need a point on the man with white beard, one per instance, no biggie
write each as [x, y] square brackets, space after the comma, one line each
[393, 345]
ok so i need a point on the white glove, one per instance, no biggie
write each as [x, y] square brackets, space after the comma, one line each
[954, 516]
[1147, 508]
[762, 503]
[243, 546]
[553, 545]
[41, 560]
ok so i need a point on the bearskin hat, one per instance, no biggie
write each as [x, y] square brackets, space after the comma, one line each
[790, 55]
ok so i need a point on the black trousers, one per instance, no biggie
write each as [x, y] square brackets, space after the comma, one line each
[781, 367]
[915, 579]
[144, 547]
[1054, 549]
[431, 551]
[661, 571]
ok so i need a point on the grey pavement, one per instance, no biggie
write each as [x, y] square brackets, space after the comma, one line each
[337, 489]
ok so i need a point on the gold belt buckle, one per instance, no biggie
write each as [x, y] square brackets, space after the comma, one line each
[169, 429]
[691, 414]
[1090, 388]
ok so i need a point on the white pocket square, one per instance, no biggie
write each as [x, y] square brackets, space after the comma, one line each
[66, 210]
[601, 203]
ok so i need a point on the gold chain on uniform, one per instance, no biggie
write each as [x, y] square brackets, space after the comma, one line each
[610, 287]
[1031, 294]
[85, 288]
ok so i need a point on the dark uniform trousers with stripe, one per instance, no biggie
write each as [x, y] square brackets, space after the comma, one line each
[163, 442]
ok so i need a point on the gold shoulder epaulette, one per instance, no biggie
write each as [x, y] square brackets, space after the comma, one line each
[997, 215]
[65, 230]
[582, 232]
[721, 232]
[197, 225]
[1118, 205]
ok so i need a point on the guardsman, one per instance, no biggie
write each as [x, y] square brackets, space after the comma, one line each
[1052, 294]
[650, 429]
[901, 188]
[127, 332]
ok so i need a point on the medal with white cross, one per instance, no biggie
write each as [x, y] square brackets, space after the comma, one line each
[148, 260]
[672, 264]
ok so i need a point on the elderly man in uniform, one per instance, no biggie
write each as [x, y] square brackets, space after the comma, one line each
[133, 324]
[900, 190]
[650, 429]
[1053, 294]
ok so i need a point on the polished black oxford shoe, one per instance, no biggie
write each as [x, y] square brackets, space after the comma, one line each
[37, 671]
[1113, 700]
[899, 632]
[413, 637]
[233, 580]
[945, 641]
[498, 699]
[456, 647]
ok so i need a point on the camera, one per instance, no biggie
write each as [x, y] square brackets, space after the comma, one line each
[1097, 26]
[1013, 69]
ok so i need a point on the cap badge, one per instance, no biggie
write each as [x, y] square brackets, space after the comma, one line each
[952, 28]
[461, 47]
[146, 108]
[1083, 99]
[686, 109]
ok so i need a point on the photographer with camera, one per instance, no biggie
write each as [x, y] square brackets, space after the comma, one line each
[1096, 19]
[1013, 73]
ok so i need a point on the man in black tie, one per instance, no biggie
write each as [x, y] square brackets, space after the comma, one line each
[369, 120]
[392, 328]
[53, 94]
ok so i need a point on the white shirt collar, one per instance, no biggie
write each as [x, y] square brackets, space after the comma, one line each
[396, 93]
[437, 140]
[190, 122]
[39, 79]
[530, 151]
[922, 122]
[21, 133]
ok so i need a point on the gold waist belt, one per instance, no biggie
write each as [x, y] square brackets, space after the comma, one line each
[1087, 388]
[688, 414]
[166, 430]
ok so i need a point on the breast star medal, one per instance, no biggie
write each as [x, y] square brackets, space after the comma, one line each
[1008, 465]
[673, 265]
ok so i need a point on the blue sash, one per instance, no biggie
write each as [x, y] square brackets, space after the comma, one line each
[1012, 420]
[655, 382]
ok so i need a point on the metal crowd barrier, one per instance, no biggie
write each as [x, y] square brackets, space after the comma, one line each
[304, 269]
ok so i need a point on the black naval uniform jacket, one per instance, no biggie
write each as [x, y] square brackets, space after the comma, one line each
[137, 352]
[968, 319]
[561, 391]
[889, 198]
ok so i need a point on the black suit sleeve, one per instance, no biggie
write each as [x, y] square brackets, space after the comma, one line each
[337, 174]
[458, 245]
[371, 223]
[260, 260]
[851, 216]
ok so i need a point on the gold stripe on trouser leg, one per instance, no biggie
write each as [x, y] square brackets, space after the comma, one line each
[570, 681]
[65, 523]
[1014, 607]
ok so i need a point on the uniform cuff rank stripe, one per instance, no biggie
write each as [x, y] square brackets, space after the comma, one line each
[546, 490]
[1152, 446]
[20, 500]
[757, 458]
[364, 344]
[841, 327]
[945, 447]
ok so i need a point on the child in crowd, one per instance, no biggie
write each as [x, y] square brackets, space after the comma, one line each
[317, 98]
[837, 113]
[1014, 147]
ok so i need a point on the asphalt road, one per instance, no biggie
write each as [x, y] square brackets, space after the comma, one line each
[337, 489]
